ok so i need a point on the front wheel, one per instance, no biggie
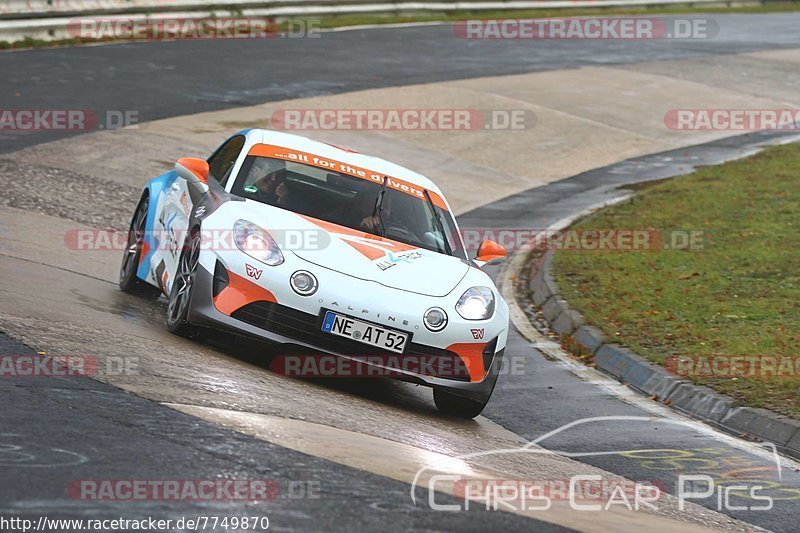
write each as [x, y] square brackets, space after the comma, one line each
[128, 280]
[180, 294]
[457, 406]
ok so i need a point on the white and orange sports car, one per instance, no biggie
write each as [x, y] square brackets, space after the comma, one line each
[325, 251]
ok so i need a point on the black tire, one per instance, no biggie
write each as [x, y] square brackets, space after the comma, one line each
[180, 294]
[128, 281]
[457, 406]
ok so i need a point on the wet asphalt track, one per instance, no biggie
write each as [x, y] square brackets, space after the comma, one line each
[57, 430]
[167, 79]
[164, 79]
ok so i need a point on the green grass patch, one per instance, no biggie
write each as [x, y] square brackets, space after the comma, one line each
[739, 295]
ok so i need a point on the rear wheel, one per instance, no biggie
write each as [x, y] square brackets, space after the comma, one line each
[180, 294]
[457, 406]
[128, 281]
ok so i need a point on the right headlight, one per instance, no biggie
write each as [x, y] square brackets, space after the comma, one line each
[477, 303]
[257, 243]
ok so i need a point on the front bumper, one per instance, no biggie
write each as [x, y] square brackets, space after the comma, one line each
[203, 312]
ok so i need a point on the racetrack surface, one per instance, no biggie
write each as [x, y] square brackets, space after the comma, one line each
[68, 303]
[163, 79]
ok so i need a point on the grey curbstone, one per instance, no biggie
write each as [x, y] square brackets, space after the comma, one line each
[661, 385]
[567, 322]
[536, 283]
[554, 307]
[650, 378]
[540, 296]
[638, 373]
[700, 401]
[740, 418]
[793, 447]
[589, 337]
[550, 284]
[762, 423]
[614, 359]
[548, 278]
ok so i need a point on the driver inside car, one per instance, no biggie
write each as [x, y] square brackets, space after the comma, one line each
[372, 222]
[393, 213]
[272, 186]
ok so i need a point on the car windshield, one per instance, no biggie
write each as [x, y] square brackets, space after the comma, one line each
[349, 201]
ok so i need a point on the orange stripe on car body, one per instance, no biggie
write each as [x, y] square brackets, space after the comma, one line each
[438, 201]
[239, 292]
[164, 278]
[362, 240]
[144, 252]
[472, 355]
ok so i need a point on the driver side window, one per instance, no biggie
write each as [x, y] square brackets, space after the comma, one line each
[221, 163]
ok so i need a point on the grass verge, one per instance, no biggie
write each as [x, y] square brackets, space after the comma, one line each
[738, 295]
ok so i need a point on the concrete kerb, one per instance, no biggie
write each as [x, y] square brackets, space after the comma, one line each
[589, 337]
[553, 307]
[651, 378]
[772, 427]
[567, 322]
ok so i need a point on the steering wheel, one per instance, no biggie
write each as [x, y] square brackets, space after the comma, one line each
[400, 231]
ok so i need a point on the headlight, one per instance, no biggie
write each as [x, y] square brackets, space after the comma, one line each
[303, 283]
[435, 319]
[257, 243]
[477, 303]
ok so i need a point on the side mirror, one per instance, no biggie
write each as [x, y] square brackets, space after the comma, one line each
[490, 252]
[192, 169]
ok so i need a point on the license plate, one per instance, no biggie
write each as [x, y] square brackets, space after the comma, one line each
[364, 332]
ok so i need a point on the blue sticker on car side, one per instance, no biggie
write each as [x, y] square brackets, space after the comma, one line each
[156, 186]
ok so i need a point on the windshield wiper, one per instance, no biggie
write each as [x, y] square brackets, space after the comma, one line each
[378, 210]
[439, 223]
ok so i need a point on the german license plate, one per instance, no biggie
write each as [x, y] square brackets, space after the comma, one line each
[364, 332]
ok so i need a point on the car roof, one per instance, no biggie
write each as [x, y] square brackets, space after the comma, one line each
[376, 164]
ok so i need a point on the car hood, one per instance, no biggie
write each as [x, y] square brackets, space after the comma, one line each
[358, 254]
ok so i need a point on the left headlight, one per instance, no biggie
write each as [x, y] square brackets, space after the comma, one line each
[435, 319]
[257, 243]
[477, 303]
